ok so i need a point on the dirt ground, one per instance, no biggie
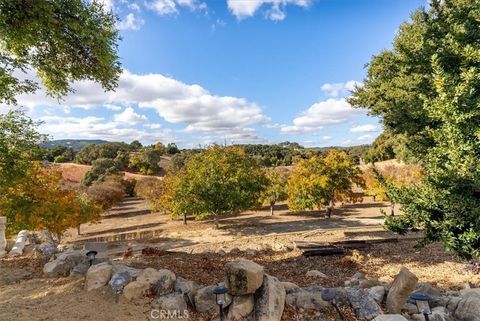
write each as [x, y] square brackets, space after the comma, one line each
[191, 252]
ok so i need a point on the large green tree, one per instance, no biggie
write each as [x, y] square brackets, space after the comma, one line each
[427, 89]
[63, 41]
[217, 181]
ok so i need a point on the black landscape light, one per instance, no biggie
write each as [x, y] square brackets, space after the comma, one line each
[421, 301]
[329, 294]
[91, 256]
[117, 284]
[220, 298]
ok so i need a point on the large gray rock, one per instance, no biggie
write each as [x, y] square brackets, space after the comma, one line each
[241, 307]
[173, 302]
[390, 317]
[98, 276]
[243, 277]
[269, 300]
[465, 293]
[403, 285]
[136, 289]
[149, 275]
[63, 264]
[185, 286]
[440, 314]
[205, 300]
[309, 298]
[465, 309]
[377, 293]
[132, 272]
[363, 304]
[164, 283]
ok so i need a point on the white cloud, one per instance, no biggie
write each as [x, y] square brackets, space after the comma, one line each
[243, 9]
[97, 128]
[134, 7]
[365, 139]
[364, 128]
[340, 88]
[327, 138]
[131, 22]
[173, 100]
[169, 7]
[129, 116]
[324, 113]
[112, 107]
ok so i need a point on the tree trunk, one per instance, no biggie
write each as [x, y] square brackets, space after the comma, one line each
[374, 198]
[271, 208]
[330, 207]
[185, 218]
[392, 209]
[78, 229]
[215, 220]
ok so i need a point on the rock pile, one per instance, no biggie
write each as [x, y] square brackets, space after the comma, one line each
[256, 296]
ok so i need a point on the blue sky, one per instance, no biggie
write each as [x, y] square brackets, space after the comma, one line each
[239, 71]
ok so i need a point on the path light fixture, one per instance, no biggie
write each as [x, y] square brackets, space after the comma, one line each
[117, 284]
[329, 294]
[220, 292]
[421, 301]
[91, 256]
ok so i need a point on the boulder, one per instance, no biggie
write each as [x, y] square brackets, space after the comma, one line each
[243, 277]
[465, 309]
[309, 298]
[185, 286]
[362, 303]
[241, 307]
[133, 272]
[80, 269]
[98, 276]
[368, 283]
[465, 293]
[316, 274]
[377, 293]
[440, 314]
[149, 275]
[427, 289]
[64, 262]
[390, 317]
[205, 300]
[164, 283]
[136, 289]
[124, 275]
[269, 300]
[173, 302]
[403, 285]
[289, 285]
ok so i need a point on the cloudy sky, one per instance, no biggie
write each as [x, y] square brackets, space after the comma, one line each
[234, 71]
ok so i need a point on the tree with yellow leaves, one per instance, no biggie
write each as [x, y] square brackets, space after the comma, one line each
[38, 201]
[320, 182]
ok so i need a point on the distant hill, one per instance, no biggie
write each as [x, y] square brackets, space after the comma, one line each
[76, 144]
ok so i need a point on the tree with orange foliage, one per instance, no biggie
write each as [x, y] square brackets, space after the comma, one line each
[38, 201]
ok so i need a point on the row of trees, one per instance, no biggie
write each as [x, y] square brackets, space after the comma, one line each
[224, 180]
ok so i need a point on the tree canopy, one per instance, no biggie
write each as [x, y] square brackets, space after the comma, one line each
[320, 182]
[217, 181]
[426, 89]
[63, 41]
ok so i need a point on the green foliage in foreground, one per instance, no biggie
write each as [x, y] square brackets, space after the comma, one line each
[63, 41]
[427, 89]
